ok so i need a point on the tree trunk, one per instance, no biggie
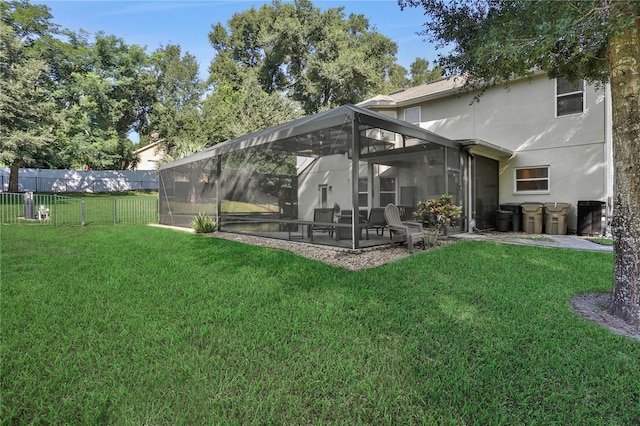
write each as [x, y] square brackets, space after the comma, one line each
[13, 177]
[624, 57]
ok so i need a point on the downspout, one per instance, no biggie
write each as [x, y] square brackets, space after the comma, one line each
[219, 202]
[470, 191]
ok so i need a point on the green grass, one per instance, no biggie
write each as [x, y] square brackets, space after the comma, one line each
[143, 325]
[602, 241]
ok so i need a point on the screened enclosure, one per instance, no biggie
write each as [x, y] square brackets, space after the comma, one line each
[304, 179]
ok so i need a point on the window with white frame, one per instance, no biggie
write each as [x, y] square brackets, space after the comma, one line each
[387, 191]
[569, 97]
[412, 115]
[532, 179]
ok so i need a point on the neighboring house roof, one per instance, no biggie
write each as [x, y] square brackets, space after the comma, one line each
[148, 147]
[324, 133]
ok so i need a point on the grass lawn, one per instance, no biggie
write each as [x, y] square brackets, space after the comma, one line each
[144, 325]
[602, 241]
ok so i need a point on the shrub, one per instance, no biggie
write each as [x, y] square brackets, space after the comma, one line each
[204, 224]
[438, 213]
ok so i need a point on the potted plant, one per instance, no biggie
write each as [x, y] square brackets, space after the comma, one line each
[436, 214]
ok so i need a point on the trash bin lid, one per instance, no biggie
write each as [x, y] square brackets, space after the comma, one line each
[556, 207]
[531, 206]
[514, 208]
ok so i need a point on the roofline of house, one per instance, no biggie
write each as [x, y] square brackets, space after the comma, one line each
[147, 146]
[391, 104]
[430, 96]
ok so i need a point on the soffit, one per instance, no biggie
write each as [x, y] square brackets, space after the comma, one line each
[486, 149]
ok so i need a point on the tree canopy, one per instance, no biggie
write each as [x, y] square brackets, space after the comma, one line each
[175, 115]
[68, 102]
[320, 58]
[492, 41]
[92, 92]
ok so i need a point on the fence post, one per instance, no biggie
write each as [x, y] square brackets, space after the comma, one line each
[114, 211]
[82, 219]
[55, 209]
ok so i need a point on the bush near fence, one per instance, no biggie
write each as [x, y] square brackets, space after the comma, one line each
[54, 209]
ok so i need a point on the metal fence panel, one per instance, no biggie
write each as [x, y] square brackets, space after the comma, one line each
[60, 210]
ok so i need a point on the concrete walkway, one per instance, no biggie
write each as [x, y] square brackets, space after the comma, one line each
[543, 240]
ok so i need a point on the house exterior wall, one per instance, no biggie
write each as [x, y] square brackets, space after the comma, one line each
[148, 157]
[522, 118]
[334, 173]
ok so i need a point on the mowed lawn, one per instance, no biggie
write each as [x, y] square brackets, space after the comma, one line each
[144, 325]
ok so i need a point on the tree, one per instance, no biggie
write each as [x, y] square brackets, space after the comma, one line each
[319, 58]
[104, 91]
[67, 102]
[395, 80]
[492, 41]
[229, 112]
[25, 108]
[421, 74]
[176, 111]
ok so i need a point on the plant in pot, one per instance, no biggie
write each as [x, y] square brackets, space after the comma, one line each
[437, 214]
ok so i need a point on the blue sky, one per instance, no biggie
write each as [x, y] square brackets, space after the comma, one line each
[187, 23]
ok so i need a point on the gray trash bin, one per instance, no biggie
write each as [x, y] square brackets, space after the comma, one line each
[503, 220]
[516, 217]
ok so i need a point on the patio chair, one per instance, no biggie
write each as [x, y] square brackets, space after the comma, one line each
[323, 216]
[377, 221]
[409, 232]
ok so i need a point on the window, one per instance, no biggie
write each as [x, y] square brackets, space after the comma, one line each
[324, 195]
[387, 191]
[412, 115]
[387, 135]
[363, 193]
[532, 179]
[569, 97]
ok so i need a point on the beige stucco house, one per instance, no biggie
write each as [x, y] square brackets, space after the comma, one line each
[149, 156]
[535, 140]
[539, 140]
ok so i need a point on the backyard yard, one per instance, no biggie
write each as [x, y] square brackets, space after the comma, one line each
[144, 325]
[82, 208]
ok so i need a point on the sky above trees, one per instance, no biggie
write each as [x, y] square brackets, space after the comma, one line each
[187, 23]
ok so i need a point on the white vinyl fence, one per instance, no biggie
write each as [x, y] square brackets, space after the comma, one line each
[93, 181]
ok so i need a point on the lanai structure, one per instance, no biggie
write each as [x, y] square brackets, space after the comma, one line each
[275, 182]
